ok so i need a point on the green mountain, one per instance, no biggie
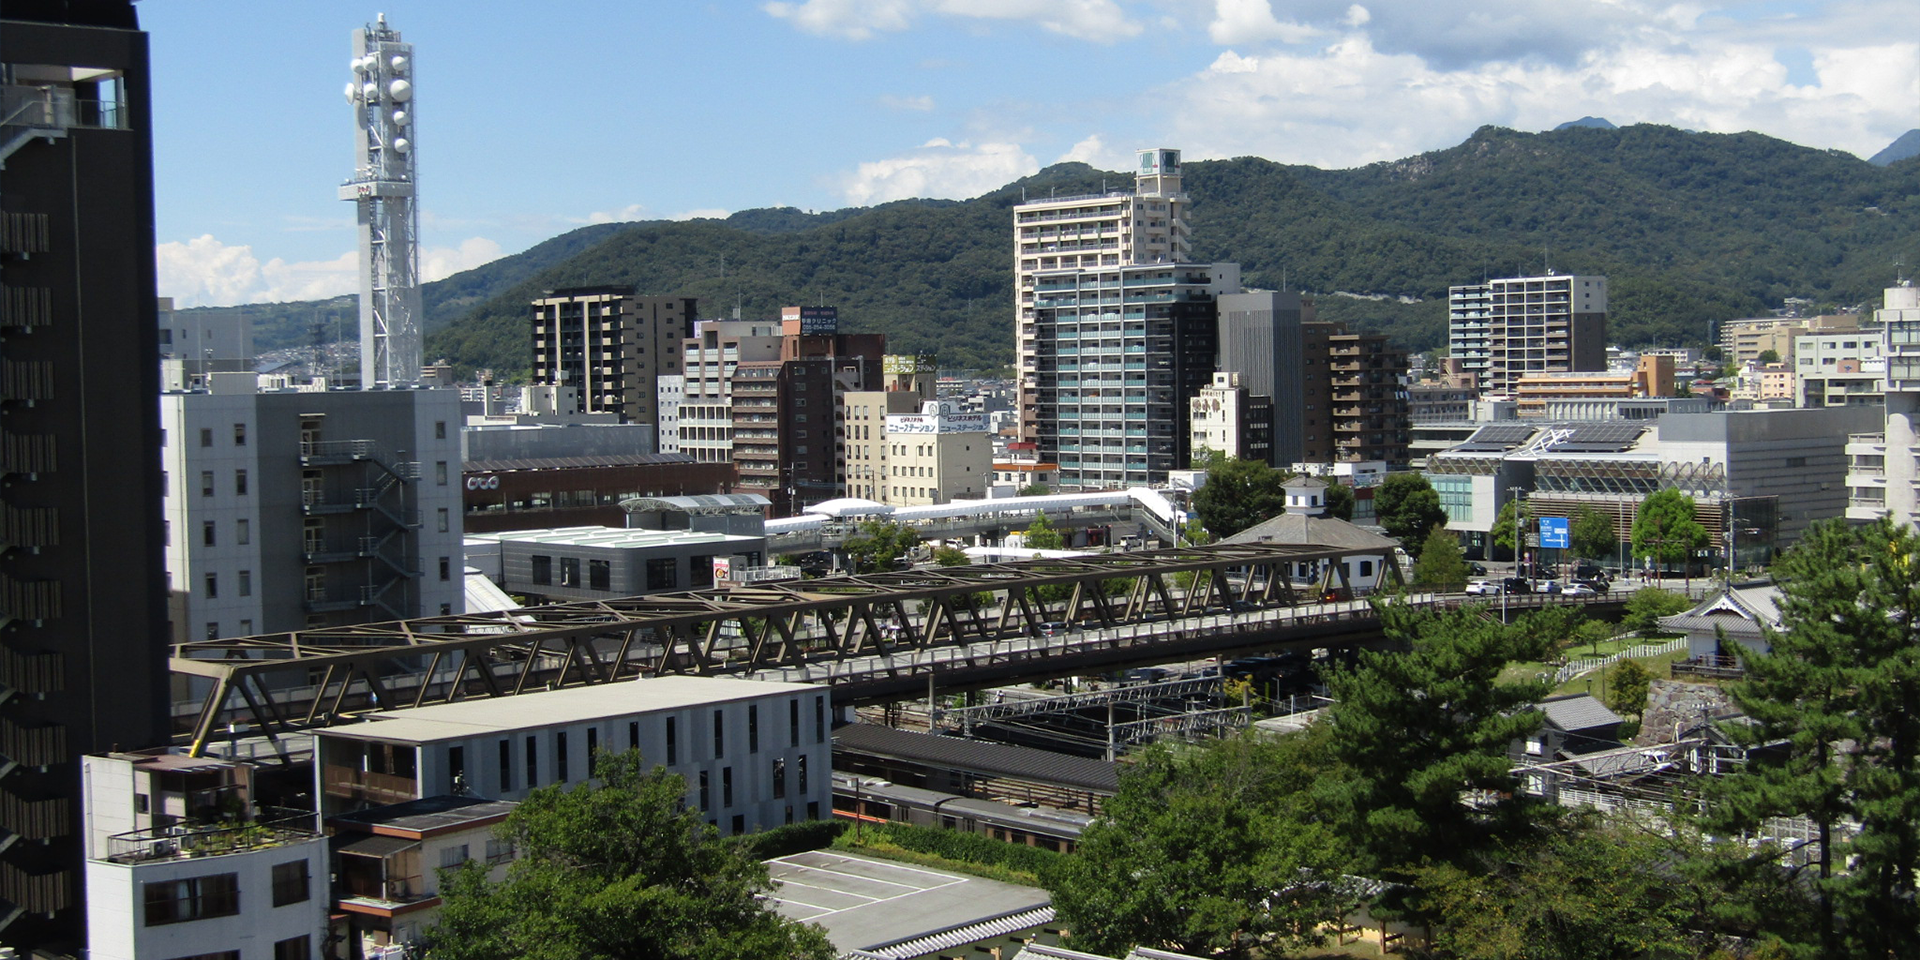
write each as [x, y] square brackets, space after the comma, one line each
[1689, 228]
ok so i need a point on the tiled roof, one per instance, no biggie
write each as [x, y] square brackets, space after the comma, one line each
[1580, 712]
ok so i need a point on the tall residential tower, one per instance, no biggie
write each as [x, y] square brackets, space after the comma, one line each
[383, 191]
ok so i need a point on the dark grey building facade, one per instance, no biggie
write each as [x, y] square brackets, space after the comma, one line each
[82, 609]
[1261, 339]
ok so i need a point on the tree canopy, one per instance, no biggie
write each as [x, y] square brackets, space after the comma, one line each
[1516, 515]
[618, 869]
[1665, 529]
[1592, 535]
[1339, 500]
[1238, 494]
[1841, 686]
[1208, 851]
[1409, 508]
[1043, 535]
[1441, 565]
[878, 545]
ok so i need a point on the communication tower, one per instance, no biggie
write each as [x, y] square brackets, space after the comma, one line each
[383, 190]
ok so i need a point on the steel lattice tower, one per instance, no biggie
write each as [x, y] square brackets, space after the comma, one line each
[383, 190]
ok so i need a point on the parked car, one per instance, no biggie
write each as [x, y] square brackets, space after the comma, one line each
[1597, 585]
[1547, 586]
[1477, 569]
[1578, 590]
[1483, 587]
[1516, 585]
[1055, 628]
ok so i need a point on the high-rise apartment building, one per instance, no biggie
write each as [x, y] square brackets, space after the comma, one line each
[1089, 232]
[82, 589]
[1118, 352]
[290, 510]
[1368, 412]
[711, 354]
[612, 345]
[1883, 470]
[1505, 329]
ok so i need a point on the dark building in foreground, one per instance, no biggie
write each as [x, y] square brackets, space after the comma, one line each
[82, 601]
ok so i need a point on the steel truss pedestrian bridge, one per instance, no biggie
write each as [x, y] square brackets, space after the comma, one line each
[873, 638]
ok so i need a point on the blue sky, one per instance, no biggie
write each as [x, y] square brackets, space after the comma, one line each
[535, 119]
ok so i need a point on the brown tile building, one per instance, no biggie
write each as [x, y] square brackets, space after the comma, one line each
[578, 491]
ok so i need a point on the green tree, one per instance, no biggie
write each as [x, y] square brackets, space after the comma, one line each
[1339, 500]
[1647, 605]
[1665, 529]
[1841, 685]
[1591, 533]
[1409, 508]
[1769, 355]
[878, 544]
[1601, 893]
[1195, 533]
[615, 869]
[950, 556]
[1034, 490]
[1627, 686]
[1192, 852]
[1238, 494]
[1515, 516]
[1441, 566]
[1420, 729]
[1042, 535]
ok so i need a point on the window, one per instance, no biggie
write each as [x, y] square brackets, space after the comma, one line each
[706, 793]
[542, 569]
[753, 728]
[719, 735]
[239, 434]
[206, 436]
[246, 583]
[793, 722]
[290, 883]
[453, 856]
[206, 533]
[439, 429]
[440, 519]
[243, 532]
[633, 735]
[599, 575]
[739, 824]
[457, 767]
[726, 786]
[206, 483]
[213, 586]
[662, 573]
[506, 765]
[533, 763]
[192, 898]
[213, 631]
[570, 571]
[440, 473]
[446, 568]
[820, 719]
[593, 750]
[673, 740]
[801, 763]
[560, 739]
[498, 852]
[246, 628]
[240, 483]
[779, 778]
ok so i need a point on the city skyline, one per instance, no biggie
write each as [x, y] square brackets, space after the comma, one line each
[590, 113]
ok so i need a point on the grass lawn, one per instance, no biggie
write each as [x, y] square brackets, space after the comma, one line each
[1518, 670]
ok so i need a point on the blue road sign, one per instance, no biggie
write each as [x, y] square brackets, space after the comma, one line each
[1556, 533]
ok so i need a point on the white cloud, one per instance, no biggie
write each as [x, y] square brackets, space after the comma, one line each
[1351, 102]
[205, 272]
[640, 211]
[920, 103]
[439, 263]
[1252, 21]
[1094, 152]
[1101, 21]
[939, 169]
[851, 19]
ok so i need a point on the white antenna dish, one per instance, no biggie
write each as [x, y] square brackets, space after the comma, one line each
[401, 91]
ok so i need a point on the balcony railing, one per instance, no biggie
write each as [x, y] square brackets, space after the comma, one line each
[187, 841]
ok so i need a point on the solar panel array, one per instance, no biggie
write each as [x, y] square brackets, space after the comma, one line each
[1601, 437]
[1497, 437]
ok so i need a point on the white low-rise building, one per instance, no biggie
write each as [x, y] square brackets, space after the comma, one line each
[181, 862]
[755, 754]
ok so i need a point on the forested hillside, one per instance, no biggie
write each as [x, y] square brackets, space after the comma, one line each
[1689, 227]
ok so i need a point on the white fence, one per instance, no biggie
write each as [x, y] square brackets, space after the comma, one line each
[1586, 665]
